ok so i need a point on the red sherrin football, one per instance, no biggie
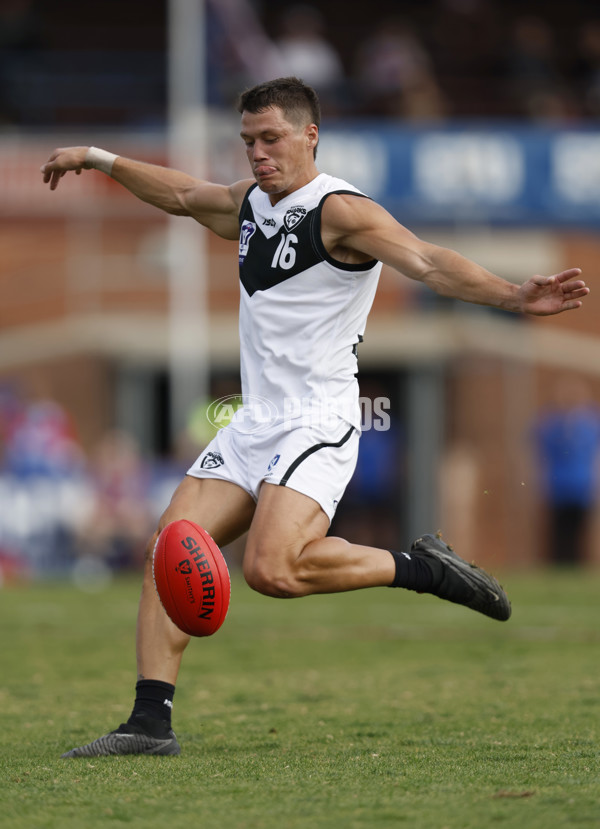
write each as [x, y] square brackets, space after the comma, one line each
[191, 578]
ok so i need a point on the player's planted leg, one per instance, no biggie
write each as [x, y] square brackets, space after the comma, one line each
[225, 511]
[148, 729]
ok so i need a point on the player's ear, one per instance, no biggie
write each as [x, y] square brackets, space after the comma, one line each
[312, 135]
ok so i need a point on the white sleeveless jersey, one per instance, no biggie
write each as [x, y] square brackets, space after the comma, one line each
[302, 314]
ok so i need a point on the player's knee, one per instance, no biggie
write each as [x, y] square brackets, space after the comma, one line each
[271, 581]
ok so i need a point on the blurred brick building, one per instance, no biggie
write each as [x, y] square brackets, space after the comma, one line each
[86, 301]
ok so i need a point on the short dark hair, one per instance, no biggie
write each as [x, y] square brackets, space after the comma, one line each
[298, 101]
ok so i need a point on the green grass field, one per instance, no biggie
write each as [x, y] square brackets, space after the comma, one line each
[374, 709]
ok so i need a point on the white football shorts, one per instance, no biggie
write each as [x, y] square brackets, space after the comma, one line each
[317, 460]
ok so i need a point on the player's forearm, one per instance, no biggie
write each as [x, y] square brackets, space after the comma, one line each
[452, 275]
[160, 186]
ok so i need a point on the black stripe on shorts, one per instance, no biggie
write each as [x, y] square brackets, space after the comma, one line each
[295, 464]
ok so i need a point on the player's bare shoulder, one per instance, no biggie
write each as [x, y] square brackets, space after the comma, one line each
[344, 218]
[217, 206]
[355, 229]
[239, 190]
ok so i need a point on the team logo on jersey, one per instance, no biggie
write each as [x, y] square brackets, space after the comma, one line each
[247, 231]
[211, 460]
[293, 217]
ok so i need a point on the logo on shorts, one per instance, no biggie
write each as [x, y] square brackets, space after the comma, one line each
[211, 460]
[273, 462]
[184, 567]
[294, 216]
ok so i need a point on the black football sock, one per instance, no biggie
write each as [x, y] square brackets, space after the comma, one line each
[153, 706]
[414, 573]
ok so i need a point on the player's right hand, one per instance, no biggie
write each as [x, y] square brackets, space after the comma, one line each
[61, 161]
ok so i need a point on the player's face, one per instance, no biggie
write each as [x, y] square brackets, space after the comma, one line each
[280, 153]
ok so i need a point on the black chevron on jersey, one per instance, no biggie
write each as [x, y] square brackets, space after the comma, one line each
[270, 261]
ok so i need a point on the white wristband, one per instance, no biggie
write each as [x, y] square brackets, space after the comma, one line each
[102, 160]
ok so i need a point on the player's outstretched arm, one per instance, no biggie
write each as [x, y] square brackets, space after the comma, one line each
[361, 225]
[213, 205]
[451, 274]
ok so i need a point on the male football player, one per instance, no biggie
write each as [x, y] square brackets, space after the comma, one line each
[310, 253]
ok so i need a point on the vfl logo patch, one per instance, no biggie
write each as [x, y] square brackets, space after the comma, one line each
[211, 460]
[184, 567]
[273, 463]
[247, 231]
[294, 216]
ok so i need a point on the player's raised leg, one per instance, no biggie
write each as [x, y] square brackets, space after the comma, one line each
[225, 511]
[288, 555]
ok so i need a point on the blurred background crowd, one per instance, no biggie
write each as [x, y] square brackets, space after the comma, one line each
[65, 507]
[87, 457]
[104, 63]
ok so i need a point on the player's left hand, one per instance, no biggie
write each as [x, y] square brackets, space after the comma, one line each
[545, 295]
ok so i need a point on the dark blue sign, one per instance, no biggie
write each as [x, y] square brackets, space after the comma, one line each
[509, 174]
